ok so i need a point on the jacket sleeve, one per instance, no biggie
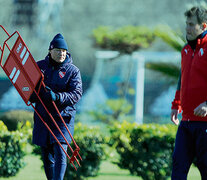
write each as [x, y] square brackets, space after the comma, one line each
[74, 93]
[176, 104]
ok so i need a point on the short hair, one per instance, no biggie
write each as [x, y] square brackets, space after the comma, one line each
[199, 11]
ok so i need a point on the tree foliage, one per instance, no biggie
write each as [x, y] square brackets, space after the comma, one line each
[177, 42]
[126, 39]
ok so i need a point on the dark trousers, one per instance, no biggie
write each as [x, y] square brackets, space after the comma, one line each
[191, 143]
[55, 161]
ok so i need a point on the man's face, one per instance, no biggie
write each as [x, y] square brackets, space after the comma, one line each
[193, 29]
[58, 55]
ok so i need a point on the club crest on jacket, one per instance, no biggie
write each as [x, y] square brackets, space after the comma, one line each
[61, 74]
[201, 52]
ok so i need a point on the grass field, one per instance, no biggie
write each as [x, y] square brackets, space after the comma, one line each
[108, 171]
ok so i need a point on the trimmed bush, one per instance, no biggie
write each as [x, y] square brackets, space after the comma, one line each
[26, 130]
[125, 40]
[11, 151]
[112, 110]
[145, 150]
[12, 118]
[91, 144]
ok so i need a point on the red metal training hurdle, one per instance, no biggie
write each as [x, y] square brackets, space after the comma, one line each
[24, 73]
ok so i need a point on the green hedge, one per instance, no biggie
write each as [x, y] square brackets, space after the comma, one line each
[12, 118]
[12, 145]
[91, 144]
[126, 39]
[145, 150]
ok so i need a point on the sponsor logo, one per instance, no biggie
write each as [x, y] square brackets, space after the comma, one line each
[19, 47]
[25, 89]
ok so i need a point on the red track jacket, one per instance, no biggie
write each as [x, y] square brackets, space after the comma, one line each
[193, 89]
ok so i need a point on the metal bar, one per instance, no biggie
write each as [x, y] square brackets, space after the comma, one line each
[42, 83]
[52, 133]
[53, 118]
[2, 49]
[4, 30]
[57, 124]
[77, 148]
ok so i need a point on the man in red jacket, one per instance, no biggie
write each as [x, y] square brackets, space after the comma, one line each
[191, 97]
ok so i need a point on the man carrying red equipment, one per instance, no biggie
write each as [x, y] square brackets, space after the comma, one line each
[64, 87]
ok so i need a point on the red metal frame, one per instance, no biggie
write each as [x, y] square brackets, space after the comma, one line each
[24, 74]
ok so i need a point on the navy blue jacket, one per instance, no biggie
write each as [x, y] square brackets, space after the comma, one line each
[65, 80]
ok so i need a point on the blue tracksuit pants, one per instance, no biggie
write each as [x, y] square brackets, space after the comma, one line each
[55, 161]
[191, 142]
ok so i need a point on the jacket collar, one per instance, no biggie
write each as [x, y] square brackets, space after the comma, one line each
[198, 41]
[202, 38]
